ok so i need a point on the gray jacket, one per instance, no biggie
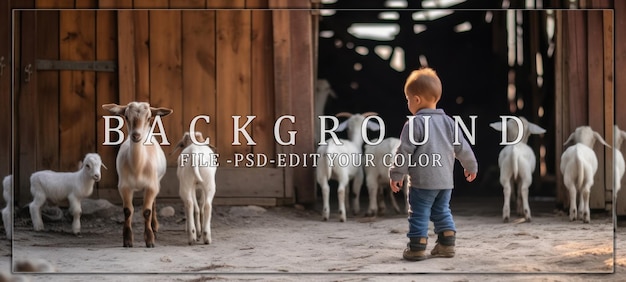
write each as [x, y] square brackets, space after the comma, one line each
[431, 165]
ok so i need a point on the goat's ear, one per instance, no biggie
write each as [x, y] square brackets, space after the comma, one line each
[80, 165]
[342, 126]
[496, 125]
[160, 111]
[570, 140]
[115, 108]
[372, 126]
[599, 138]
[177, 147]
[535, 129]
[343, 114]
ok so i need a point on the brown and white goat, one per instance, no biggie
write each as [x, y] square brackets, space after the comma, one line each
[140, 166]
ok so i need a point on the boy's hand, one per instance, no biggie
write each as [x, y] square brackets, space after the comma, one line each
[469, 176]
[395, 185]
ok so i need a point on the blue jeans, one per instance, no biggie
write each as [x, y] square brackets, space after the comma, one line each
[425, 205]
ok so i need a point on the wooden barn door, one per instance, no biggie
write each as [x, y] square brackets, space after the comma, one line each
[63, 72]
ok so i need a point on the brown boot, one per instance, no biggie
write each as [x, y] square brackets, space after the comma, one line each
[415, 249]
[445, 245]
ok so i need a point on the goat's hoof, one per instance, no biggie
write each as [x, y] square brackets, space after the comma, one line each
[505, 220]
[149, 245]
[191, 243]
[128, 245]
[528, 219]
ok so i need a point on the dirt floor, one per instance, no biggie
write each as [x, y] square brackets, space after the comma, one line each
[291, 243]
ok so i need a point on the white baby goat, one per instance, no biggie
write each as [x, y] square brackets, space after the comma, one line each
[377, 175]
[323, 91]
[620, 136]
[329, 164]
[140, 167]
[57, 186]
[7, 219]
[196, 172]
[517, 163]
[578, 166]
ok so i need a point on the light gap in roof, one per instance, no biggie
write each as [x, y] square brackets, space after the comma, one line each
[396, 4]
[389, 16]
[440, 3]
[430, 15]
[374, 31]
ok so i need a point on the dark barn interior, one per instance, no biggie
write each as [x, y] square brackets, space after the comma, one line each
[470, 52]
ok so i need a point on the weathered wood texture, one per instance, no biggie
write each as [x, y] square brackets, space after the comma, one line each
[5, 89]
[584, 91]
[218, 63]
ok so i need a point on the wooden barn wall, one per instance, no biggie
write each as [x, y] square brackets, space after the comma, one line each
[584, 91]
[211, 62]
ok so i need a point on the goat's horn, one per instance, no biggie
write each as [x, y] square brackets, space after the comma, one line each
[343, 114]
[367, 114]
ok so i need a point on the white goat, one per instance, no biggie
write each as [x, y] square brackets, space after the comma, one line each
[329, 167]
[578, 166]
[377, 175]
[323, 90]
[196, 171]
[7, 219]
[58, 186]
[517, 163]
[619, 136]
[140, 166]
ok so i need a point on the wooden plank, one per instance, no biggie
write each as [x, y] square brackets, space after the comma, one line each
[232, 182]
[77, 100]
[54, 4]
[302, 83]
[186, 4]
[27, 125]
[282, 81]
[48, 88]
[106, 90]
[126, 56]
[233, 78]
[198, 43]
[559, 99]
[265, 202]
[85, 4]
[141, 46]
[226, 4]
[166, 71]
[5, 89]
[263, 84]
[576, 66]
[147, 4]
[249, 182]
[595, 101]
[115, 4]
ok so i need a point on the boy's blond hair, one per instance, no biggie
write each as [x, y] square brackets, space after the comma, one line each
[424, 83]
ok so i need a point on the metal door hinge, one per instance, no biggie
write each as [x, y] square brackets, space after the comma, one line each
[108, 66]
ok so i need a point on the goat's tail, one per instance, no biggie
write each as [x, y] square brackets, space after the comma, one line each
[581, 173]
[324, 168]
[196, 171]
[515, 159]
